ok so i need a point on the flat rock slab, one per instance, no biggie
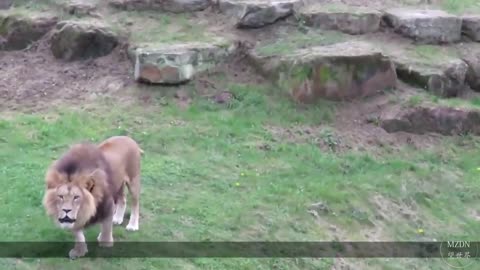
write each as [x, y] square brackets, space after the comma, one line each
[176, 6]
[342, 71]
[17, 32]
[256, 13]
[425, 26]
[447, 80]
[471, 27]
[348, 19]
[74, 40]
[177, 63]
[442, 120]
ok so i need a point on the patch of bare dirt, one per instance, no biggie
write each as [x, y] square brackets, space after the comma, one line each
[33, 79]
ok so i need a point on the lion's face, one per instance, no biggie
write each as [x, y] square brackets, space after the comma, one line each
[69, 200]
[69, 205]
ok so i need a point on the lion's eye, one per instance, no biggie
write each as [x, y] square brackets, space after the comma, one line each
[76, 197]
[60, 196]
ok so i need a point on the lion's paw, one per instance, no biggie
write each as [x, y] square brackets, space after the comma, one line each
[132, 227]
[117, 220]
[76, 253]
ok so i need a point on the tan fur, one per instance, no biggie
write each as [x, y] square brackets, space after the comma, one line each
[86, 181]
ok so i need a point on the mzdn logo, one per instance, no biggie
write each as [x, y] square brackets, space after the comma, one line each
[459, 254]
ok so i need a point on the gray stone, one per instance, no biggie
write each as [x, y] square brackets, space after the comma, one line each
[256, 13]
[175, 6]
[442, 120]
[444, 80]
[425, 26]
[73, 40]
[342, 71]
[5, 4]
[17, 32]
[350, 20]
[178, 63]
[471, 27]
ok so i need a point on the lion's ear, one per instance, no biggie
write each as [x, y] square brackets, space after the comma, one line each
[97, 176]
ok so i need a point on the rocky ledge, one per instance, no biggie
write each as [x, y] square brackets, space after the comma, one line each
[442, 120]
[444, 80]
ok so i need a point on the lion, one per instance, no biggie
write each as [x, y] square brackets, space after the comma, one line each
[85, 186]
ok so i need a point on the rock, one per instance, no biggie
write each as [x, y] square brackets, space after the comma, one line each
[179, 6]
[175, 6]
[350, 20]
[471, 27]
[442, 120]
[342, 71]
[472, 77]
[5, 4]
[425, 26]
[79, 8]
[73, 40]
[17, 32]
[446, 80]
[178, 63]
[256, 13]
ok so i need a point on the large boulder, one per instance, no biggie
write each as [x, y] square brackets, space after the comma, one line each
[342, 71]
[177, 63]
[175, 6]
[473, 74]
[350, 20]
[74, 40]
[425, 26]
[444, 80]
[471, 27]
[256, 13]
[442, 120]
[18, 31]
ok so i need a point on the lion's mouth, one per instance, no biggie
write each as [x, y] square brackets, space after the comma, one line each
[66, 220]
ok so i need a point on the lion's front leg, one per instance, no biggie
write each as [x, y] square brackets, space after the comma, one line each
[80, 248]
[105, 237]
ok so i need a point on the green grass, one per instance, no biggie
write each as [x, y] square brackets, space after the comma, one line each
[195, 158]
[156, 27]
[300, 40]
[461, 6]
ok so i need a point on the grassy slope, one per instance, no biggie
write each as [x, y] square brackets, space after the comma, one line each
[194, 160]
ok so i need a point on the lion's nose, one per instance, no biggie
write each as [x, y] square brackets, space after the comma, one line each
[66, 210]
